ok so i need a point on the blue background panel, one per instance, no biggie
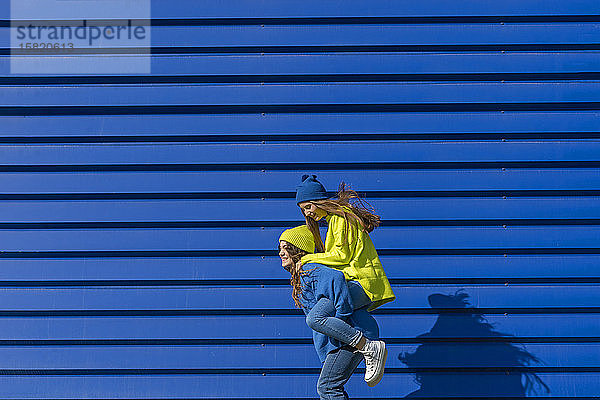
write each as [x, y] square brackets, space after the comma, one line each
[289, 386]
[284, 211]
[383, 152]
[270, 356]
[139, 213]
[228, 36]
[265, 240]
[269, 66]
[299, 94]
[241, 328]
[310, 125]
[258, 270]
[273, 8]
[409, 298]
[257, 182]
[356, 8]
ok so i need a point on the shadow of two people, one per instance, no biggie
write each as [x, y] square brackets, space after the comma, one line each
[481, 361]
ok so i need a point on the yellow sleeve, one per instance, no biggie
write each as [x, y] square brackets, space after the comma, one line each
[340, 253]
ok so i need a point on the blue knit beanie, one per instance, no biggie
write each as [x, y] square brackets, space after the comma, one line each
[310, 189]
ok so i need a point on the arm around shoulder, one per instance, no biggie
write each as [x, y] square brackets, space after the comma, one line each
[340, 253]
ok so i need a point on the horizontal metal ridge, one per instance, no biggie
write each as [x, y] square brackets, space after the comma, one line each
[291, 195]
[298, 108]
[290, 223]
[239, 253]
[439, 77]
[265, 312]
[311, 49]
[286, 371]
[458, 19]
[285, 341]
[566, 280]
[301, 166]
[295, 137]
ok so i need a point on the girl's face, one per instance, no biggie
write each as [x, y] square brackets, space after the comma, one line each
[312, 211]
[286, 258]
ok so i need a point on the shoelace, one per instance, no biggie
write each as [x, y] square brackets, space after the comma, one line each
[370, 366]
[368, 354]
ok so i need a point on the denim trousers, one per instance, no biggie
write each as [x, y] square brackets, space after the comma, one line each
[321, 317]
[337, 369]
[341, 363]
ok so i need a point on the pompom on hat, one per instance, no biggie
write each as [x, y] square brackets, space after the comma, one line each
[310, 189]
[301, 237]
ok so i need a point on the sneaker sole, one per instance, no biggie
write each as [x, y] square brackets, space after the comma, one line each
[380, 373]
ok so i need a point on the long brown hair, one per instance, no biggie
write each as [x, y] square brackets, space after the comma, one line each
[349, 205]
[296, 273]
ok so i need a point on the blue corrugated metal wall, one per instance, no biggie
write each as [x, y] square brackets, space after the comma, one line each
[139, 214]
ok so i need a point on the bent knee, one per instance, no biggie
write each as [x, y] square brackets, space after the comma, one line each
[313, 321]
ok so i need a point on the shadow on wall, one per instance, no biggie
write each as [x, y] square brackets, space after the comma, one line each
[493, 363]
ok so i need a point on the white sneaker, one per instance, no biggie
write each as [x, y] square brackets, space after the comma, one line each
[375, 355]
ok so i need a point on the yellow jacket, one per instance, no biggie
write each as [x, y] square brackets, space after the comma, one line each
[356, 257]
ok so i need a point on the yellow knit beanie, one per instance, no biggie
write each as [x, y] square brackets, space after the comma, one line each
[301, 237]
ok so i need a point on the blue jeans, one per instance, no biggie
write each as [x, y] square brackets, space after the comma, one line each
[341, 363]
[361, 317]
[321, 317]
[337, 369]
